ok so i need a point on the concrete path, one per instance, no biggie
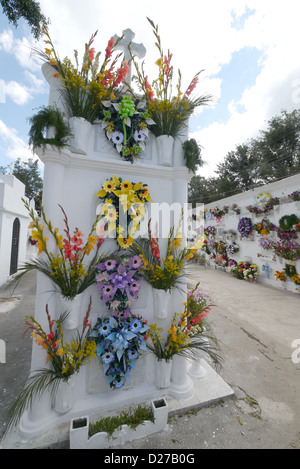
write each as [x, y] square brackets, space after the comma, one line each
[255, 326]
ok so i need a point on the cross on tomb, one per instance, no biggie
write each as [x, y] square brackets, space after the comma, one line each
[137, 50]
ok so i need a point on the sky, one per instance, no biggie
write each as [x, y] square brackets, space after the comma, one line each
[247, 51]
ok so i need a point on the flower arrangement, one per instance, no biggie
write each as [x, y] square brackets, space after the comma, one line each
[230, 233]
[87, 86]
[126, 123]
[210, 231]
[232, 265]
[264, 227]
[245, 227]
[251, 272]
[295, 196]
[67, 269]
[198, 306]
[235, 208]
[240, 268]
[123, 208]
[296, 279]
[289, 250]
[232, 248]
[280, 276]
[65, 359]
[265, 243]
[264, 208]
[119, 344]
[186, 335]
[219, 213]
[163, 273]
[119, 282]
[170, 113]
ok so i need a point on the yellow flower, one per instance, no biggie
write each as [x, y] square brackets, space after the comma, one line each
[60, 352]
[108, 186]
[126, 186]
[125, 242]
[111, 215]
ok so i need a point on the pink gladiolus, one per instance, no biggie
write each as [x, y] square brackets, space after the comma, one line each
[92, 54]
[192, 85]
[109, 47]
[122, 73]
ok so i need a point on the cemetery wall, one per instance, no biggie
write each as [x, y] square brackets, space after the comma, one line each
[250, 248]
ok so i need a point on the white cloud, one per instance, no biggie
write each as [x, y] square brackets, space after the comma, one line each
[15, 146]
[17, 92]
[6, 40]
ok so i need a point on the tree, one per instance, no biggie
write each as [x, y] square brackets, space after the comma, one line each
[28, 173]
[29, 10]
[240, 167]
[278, 147]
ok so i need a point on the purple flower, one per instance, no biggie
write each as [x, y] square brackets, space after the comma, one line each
[135, 287]
[122, 314]
[121, 278]
[136, 262]
[110, 264]
[107, 293]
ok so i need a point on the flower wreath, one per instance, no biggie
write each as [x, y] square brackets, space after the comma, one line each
[119, 342]
[264, 227]
[118, 282]
[263, 198]
[123, 200]
[290, 270]
[232, 248]
[126, 123]
[288, 221]
[245, 227]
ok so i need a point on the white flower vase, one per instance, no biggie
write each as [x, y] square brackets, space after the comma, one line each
[75, 309]
[162, 373]
[196, 370]
[181, 385]
[160, 303]
[165, 150]
[81, 130]
[65, 396]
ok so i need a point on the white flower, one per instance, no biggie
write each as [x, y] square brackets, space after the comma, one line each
[117, 138]
[139, 136]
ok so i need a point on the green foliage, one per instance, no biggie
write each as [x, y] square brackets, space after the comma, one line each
[192, 155]
[29, 10]
[46, 117]
[132, 418]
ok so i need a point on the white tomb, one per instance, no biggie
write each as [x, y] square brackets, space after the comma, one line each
[72, 179]
[14, 222]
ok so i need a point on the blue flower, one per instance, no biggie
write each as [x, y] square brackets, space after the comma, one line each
[136, 325]
[118, 382]
[133, 354]
[107, 358]
[104, 329]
